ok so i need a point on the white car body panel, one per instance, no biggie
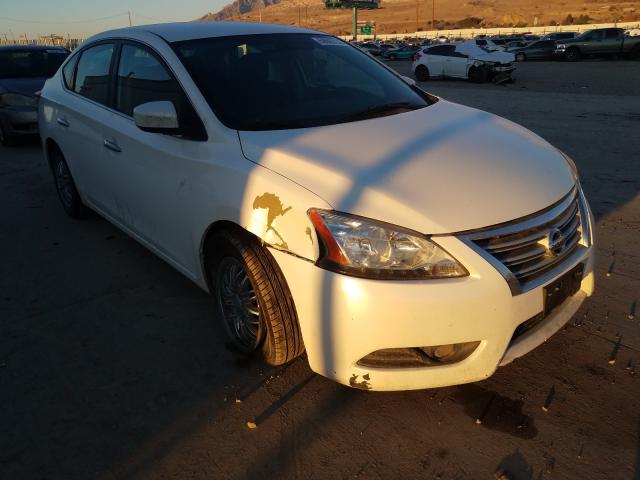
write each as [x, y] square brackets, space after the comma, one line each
[477, 53]
[438, 170]
[386, 178]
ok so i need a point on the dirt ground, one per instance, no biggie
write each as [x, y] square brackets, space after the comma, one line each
[112, 367]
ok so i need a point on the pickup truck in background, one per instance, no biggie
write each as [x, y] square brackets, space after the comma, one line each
[599, 42]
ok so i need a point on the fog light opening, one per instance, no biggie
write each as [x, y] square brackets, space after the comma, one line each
[412, 357]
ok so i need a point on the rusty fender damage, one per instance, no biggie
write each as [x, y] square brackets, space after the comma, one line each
[274, 209]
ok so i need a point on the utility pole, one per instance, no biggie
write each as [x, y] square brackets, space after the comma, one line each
[417, 15]
[355, 24]
[433, 15]
[299, 19]
[260, 13]
[129, 18]
[306, 14]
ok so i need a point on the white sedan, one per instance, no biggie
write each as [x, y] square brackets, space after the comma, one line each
[324, 201]
[462, 60]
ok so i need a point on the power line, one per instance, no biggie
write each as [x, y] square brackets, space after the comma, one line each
[64, 22]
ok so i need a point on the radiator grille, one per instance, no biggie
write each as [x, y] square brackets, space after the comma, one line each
[527, 250]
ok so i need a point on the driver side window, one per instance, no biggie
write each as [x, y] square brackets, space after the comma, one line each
[141, 78]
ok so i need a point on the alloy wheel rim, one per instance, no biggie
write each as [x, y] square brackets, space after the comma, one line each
[63, 182]
[239, 303]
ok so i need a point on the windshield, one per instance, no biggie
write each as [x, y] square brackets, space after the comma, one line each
[282, 81]
[30, 63]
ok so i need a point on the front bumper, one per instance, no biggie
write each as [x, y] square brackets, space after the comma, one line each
[19, 120]
[344, 319]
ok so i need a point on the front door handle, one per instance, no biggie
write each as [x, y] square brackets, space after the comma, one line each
[112, 145]
[62, 121]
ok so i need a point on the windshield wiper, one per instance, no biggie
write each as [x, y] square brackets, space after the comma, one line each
[382, 110]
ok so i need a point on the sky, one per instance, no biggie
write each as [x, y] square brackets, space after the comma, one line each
[80, 18]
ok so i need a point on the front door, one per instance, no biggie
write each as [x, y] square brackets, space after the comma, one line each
[157, 176]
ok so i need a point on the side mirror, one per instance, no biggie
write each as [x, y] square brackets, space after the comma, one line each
[408, 80]
[157, 117]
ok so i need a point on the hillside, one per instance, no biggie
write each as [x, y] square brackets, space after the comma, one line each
[398, 16]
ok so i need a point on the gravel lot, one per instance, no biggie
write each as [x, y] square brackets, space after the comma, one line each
[112, 367]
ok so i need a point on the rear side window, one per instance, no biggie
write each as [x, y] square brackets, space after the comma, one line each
[68, 72]
[612, 33]
[445, 50]
[92, 75]
[142, 78]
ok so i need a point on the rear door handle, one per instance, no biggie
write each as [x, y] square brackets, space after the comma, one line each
[62, 121]
[112, 145]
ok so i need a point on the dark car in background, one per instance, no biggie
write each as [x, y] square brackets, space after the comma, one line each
[599, 42]
[538, 50]
[560, 35]
[23, 71]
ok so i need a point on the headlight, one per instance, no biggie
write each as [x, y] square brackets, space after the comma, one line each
[17, 100]
[365, 248]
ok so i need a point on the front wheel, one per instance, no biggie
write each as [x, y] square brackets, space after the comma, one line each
[573, 55]
[521, 57]
[253, 299]
[478, 74]
[422, 73]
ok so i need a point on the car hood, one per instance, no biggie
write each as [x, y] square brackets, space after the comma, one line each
[474, 51]
[25, 86]
[440, 169]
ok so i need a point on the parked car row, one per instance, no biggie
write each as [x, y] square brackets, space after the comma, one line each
[570, 46]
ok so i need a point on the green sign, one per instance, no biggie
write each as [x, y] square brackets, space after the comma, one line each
[365, 29]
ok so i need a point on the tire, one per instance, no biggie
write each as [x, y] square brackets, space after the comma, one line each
[252, 298]
[635, 53]
[392, 56]
[422, 73]
[521, 57]
[572, 55]
[6, 140]
[478, 75]
[66, 187]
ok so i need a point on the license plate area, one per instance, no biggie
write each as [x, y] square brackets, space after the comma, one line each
[559, 290]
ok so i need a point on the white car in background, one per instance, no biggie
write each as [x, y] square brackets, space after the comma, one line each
[326, 203]
[487, 44]
[462, 60]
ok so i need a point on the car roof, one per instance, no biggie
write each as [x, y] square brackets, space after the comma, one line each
[180, 31]
[5, 48]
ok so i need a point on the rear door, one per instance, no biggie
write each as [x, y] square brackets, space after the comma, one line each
[155, 173]
[455, 63]
[435, 60]
[612, 42]
[80, 122]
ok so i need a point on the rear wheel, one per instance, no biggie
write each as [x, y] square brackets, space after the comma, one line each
[478, 74]
[252, 298]
[66, 187]
[521, 57]
[573, 55]
[422, 73]
[635, 53]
